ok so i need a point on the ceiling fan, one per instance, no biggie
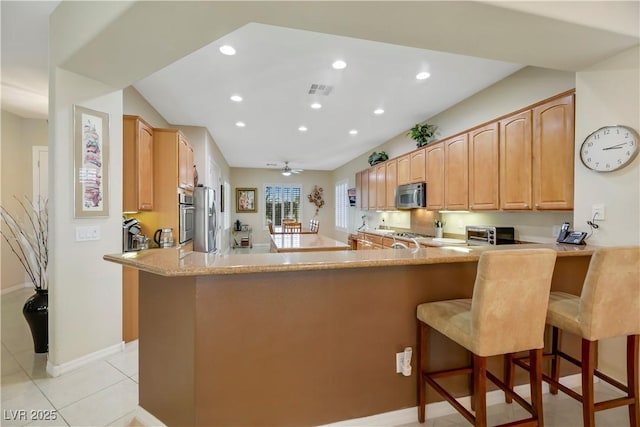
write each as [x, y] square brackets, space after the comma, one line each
[286, 171]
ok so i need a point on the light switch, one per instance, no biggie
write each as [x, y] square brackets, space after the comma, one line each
[86, 233]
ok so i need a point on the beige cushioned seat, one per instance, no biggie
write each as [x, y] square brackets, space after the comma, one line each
[505, 314]
[508, 308]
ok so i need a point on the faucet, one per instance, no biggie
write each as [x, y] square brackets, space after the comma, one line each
[401, 245]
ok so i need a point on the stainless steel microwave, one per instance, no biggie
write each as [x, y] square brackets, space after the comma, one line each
[488, 235]
[411, 196]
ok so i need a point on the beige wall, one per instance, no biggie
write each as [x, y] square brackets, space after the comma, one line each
[19, 136]
[518, 90]
[134, 104]
[607, 94]
[245, 177]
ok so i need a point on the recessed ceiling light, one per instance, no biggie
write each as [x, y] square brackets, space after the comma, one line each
[227, 50]
[240, 124]
[302, 128]
[378, 111]
[316, 105]
[353, 132]
[339, 65]
[236, 98]
[423, 75]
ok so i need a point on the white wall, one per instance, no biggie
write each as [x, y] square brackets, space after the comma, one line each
[85, 292]
[607, 94]
[250, 178]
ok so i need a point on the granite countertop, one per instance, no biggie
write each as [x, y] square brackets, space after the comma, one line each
[177, 262]
[301, 242]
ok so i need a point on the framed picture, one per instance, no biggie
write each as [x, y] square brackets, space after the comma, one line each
[91, 163]
[246, 200]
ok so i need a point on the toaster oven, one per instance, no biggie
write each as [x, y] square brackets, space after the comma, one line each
[489, 235]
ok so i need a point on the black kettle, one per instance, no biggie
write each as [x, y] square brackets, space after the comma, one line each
[238, 225]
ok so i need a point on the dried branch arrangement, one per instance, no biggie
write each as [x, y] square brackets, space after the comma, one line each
[28, 238]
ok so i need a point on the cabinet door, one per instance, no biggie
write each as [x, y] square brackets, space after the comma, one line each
[435, 176]
[404, 167]
[553, 151]
[373, 188]
[145, 167]
[417, 168]
[456, 170]
[381, 185]
[365, 189]
[391, 183]
[359, 190]
[185, 163]
[483, 168]
[515, 162]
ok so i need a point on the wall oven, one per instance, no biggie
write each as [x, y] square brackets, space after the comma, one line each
[187, 218]
[488, 235]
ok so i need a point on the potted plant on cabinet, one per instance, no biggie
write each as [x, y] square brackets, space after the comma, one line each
[27, 238]
[422, 134]
[377, 157]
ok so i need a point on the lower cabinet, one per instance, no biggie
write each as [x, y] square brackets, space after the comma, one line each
[129, 304]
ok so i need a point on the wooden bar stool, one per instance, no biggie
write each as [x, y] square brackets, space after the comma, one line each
[609, 306]
[505, 315]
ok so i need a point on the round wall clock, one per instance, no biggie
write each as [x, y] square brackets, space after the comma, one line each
[609, 148]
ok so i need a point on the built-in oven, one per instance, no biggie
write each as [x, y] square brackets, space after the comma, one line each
[490, 235]
[187, 218]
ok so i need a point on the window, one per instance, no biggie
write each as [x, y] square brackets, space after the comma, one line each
[228, 205]
[342, 206]
[282, 201]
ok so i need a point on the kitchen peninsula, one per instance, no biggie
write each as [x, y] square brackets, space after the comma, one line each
[305, 242]
[297, 338]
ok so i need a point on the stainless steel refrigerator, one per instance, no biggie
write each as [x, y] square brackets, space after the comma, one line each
[204, 239]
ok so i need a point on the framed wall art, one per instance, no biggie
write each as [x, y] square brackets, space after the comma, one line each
[246, 200]
[91, 163]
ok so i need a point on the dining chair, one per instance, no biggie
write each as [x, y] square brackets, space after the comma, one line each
[292, 227]
[314, 225]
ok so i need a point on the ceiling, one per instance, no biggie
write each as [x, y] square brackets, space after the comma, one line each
[274, 68]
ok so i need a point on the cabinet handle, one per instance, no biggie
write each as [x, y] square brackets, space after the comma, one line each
[536, 205]
[526, 205]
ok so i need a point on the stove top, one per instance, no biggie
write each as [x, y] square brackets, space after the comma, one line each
[408, 234]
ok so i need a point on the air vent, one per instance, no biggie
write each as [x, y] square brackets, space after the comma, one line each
[318, 89]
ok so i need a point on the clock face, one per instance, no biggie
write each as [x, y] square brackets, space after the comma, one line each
[609, 148]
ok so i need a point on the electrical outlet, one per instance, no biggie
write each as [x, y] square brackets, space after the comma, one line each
[399, 361]
[597, 212]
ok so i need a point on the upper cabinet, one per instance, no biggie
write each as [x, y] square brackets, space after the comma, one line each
[137, 165]
[553, 152]
[404, 169]
[515, 162]
[372, 188]
[359, 190]
[483, 168]
[185, 161]
[434, 155]
[417, 168]
[391, 182]
[456, 173]
[381, 185]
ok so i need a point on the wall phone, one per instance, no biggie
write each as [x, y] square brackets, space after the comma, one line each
[571, 237]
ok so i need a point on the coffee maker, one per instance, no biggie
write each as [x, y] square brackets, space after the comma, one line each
[130, 229]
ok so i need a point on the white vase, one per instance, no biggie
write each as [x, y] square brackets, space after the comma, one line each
[439, 232]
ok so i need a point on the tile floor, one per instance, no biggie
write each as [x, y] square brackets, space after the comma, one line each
[105, 392]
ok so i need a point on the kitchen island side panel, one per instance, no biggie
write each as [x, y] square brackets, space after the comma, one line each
[166, 350]
[299, 348]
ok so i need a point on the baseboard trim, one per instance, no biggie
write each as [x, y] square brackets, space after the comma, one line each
[439, 409]
[63, 368]
[146, 418]
[16, 288]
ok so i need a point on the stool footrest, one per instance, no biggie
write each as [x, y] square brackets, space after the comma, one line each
[449, 398]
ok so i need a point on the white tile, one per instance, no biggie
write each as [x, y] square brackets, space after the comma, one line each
[17, 409]
[73, 386]
[136, 378]
[34, 364]
[104, 407]
[9, 363]
[126, 361]
[129, 420]
[15, 385]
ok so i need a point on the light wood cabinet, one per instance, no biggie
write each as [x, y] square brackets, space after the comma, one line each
[404, 169]
[365, 188]
[391, 183]
[484, 168]
[515, 162]
[129, 304]
[435, 176]
[373, 182]
[185, 161]
[381, 185]
[137, 165]
[553, 153]
[456, 170]
[359, 190]
[417, 169]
